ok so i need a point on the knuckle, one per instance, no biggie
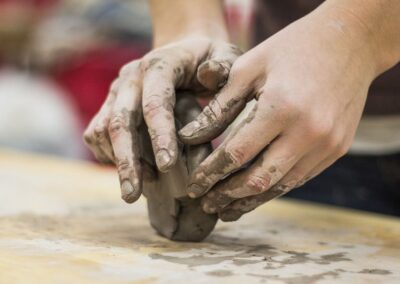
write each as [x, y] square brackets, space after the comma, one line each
[291, 180]
[123, 165]
[257, 184]
[283, 189]
[334, 143]
[117, 123]
[285, 110]
[99, 131]
[280, 101]
[320, 129]
[210, 113]
[295, 178]
[87, 137]
[153, 106]
[129, 68]
[302, 182]
[152, 61]
[124, 71]
[236, 155]
[287, 107]
[342, 149]
[114, 86]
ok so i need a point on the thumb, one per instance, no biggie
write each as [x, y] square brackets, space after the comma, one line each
[214, 72]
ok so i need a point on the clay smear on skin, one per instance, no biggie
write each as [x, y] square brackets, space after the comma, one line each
[212, 121]
[218, 165]
[234, 211]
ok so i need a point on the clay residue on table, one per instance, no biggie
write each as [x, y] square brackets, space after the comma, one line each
[72, 227]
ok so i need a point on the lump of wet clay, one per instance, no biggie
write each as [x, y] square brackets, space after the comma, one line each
[172, 213]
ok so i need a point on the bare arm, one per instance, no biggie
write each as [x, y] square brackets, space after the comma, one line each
[174, 20]
[376, 22]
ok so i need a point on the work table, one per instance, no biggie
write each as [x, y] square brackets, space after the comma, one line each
[62, 221]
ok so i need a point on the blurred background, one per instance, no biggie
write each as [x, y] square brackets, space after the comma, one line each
[58, 58]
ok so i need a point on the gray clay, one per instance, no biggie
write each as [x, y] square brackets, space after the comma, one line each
[171, 212]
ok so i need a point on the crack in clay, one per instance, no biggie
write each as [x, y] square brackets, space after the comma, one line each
[220, 273]
[317, 277]
[88, 227]
[306, 279]
[241, 255]
[375, 271]
[253, 255]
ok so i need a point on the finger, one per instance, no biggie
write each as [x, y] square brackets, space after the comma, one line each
[322, 166]
[236, 209]
[214, 72]
[238, 148]
[96, 135]
[239, 207]
[125, 118]
[300, 173]
[187, 109]
[268, 169]
[217, 115]
[246, 78]
[159, 82]
[92, 138]
[227, 104]
[225, 192]
[315, 162]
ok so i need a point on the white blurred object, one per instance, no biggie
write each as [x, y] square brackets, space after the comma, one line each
[76, 26]
[36, 116]
[377, 135]
[61, 37]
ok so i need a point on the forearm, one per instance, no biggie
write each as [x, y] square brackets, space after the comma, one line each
[377, 23]
[173, 20]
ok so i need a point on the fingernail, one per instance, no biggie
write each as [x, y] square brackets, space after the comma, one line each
[189, 129]
[195, 190]
[223, 70]
[128, 192]
[230, 215]
[209, 209]
[163, 159]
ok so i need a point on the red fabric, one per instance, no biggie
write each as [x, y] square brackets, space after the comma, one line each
[88, 78]
[36, 3]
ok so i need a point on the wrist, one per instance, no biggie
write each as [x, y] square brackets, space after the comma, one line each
[174, 20]
[370, 28]
[163, 36]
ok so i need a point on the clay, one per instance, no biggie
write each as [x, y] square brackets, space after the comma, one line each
[171, 212]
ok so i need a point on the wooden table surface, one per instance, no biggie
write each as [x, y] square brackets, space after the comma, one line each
[63, 222]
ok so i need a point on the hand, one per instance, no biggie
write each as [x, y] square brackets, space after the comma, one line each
[147, 86]
[310, 83]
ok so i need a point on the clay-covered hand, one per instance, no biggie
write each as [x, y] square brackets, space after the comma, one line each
[146, 88]
[310, 83]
